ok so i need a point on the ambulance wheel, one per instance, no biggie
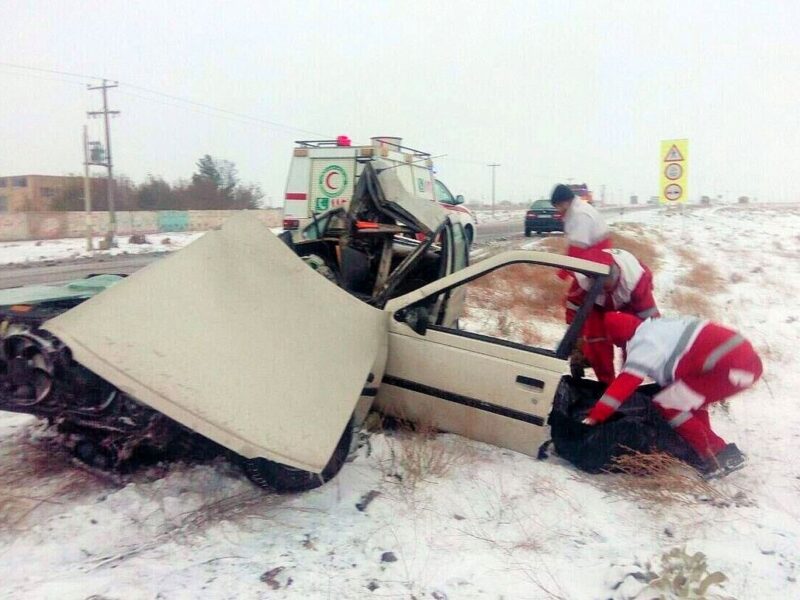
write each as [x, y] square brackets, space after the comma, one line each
[283, 478]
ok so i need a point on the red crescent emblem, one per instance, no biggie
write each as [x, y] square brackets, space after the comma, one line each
[328, 183]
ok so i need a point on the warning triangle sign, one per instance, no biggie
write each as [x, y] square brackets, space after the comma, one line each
[673, 155]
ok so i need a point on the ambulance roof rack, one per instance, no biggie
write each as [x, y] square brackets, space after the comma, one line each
[335, 144]
[317, 143]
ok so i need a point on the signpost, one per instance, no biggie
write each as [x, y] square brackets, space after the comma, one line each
[674, 166]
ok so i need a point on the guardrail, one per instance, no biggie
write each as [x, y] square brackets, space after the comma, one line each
[52, 225]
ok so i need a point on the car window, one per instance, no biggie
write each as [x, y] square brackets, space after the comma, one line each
[442, 193]
[540, 204]
[460, 248]
[521, 303]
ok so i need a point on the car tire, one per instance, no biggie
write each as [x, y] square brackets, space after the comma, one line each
[283, 478]
[527, 233]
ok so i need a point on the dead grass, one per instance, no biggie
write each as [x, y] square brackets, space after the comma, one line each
[691, 302]
[661, 479]
[417, 452]
[703, 277]
[641, 247]
[422, 455]
[526, 291]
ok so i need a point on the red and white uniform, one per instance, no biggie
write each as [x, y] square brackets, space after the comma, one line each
[631, 293]
[585, 229]
[698, 362]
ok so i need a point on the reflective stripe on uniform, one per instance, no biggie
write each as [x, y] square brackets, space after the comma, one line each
[679, 419]
[610, 401]
[680, 347]
[572, 305]
[646, 314]
[721, 351]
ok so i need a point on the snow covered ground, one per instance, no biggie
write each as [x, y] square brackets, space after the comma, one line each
[480, 522]
[70, 248]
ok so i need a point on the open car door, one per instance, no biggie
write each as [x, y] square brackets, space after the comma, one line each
[492, 376]
[237, 339]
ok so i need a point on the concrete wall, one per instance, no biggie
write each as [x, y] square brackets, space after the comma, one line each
[52, 225]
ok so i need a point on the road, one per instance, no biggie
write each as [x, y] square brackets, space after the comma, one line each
[513, 228]
[54, 272]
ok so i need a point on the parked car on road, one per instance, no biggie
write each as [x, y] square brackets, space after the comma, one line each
[542, 218]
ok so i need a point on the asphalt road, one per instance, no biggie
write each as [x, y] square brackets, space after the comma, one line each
[54, 272]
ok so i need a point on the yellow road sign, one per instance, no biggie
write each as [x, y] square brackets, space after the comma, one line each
[674, 167]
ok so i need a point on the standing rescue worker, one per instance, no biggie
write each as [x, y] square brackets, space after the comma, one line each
[697, 362]
[628, 288]
[584, 227]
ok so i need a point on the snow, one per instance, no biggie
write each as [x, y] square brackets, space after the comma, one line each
[74, 248]
[71, 248]
[481, 522]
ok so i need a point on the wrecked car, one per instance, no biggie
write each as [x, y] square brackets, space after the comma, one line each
[235, 340]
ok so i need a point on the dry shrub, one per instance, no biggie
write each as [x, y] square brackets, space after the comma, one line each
[703, 277]
[690, 302]
[641, 247]
[660, 479]
[418, 453]
[526, 290]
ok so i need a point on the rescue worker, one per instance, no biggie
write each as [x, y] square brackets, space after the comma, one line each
[628, 288]
[697, 362]
[584, 226]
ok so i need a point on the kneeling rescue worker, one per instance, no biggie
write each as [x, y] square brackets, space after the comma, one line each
[697, 362]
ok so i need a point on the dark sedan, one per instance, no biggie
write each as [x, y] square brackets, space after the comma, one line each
[542, 217]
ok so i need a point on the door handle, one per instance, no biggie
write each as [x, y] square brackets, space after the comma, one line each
[530, 382]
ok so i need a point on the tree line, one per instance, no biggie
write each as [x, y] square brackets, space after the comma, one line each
[215, 185]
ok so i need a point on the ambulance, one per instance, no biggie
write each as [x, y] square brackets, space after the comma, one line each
[323, 175]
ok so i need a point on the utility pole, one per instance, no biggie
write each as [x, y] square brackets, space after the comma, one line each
[494, 168]
[112, 215]
[87, 190]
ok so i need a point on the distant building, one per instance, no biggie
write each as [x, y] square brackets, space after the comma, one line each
[19, 193]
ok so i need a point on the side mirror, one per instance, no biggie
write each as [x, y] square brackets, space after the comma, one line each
[416, 318]
[459, 199]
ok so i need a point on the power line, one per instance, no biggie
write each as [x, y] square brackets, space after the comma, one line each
[52, 71]
[240, 115]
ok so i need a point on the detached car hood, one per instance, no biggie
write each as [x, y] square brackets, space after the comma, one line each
[236, 338]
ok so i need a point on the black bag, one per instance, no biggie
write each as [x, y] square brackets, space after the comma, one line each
[635, 426]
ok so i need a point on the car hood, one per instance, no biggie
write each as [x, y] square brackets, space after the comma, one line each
[237, 339]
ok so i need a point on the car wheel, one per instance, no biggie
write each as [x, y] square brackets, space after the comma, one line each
[282, 478]
[527, 233]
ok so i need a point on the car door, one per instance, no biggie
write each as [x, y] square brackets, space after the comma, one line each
[485, 380]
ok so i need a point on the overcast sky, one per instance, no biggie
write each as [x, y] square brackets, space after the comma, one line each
[550, 90]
